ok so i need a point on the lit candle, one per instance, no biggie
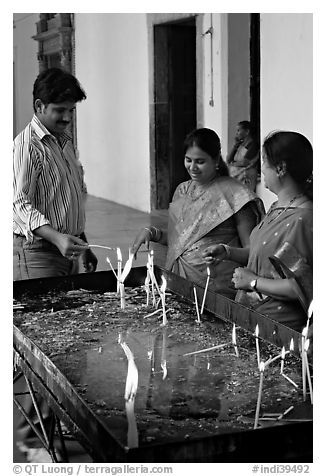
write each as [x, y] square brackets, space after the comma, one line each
[282, 361]
[303, 362]
[163, 288]
[291, 345]
[205, 291]
[197, 308]
[115, 274]
[127, 268]
[119, 257]
[261, 370]
[257, 344]
[147, 288]
[234, 340]
[306, 347]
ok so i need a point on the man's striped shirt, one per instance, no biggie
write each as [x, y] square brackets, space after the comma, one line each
[49, 186]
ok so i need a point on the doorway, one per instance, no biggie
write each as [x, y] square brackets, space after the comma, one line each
[174, 103]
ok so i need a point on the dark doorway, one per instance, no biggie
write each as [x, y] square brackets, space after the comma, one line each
[255, 72]
[175, 103]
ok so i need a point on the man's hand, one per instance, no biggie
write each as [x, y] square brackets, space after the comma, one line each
[89, 261]
[70, 246]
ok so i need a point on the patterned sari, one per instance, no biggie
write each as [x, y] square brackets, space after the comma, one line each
[203, 215]
[283, 249]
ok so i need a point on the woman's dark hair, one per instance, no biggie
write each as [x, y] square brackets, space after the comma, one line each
[295, 151]
[55, 85]
[209, 142]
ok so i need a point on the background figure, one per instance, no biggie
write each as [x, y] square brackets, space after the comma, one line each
[210, 208]
[49, 189]
[243, 159]
[276, 278]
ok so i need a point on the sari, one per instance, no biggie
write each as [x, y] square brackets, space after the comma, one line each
[201, 215]
[283, 248]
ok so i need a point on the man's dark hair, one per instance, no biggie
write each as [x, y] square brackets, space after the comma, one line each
[246, 125]
[55, 85]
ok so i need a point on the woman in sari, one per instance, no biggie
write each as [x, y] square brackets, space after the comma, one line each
[277, 279]
[210, 208]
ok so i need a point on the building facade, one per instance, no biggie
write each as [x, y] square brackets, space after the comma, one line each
[151, 78]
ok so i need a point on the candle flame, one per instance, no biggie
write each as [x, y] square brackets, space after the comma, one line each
[310, 310]
[261, 366]
[257, 330]
[127, 268]
[119, 255]
[304, 332]
[163, 286]
[283, 352]
[234, 340]
[208, 271]
[291, 344]
[306, 345]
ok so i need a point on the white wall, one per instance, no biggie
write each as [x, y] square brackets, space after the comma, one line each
[215, 116]
[286, 76]
[113, 122]
[25, 67]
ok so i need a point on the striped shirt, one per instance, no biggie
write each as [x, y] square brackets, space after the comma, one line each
[49, 186]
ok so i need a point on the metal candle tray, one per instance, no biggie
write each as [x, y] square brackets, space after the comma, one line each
[290, 442]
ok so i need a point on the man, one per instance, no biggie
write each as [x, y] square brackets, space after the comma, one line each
[243, 160]
[49, 206]
[49, 189]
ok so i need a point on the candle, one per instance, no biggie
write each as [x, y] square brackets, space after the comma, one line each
[291, 344]
[279, 356]
[119, 257]
[197, 308]
[122, 296]
[206, 350]
[108, 260]
[285, 413]
[147, 288]
[303, 362]
[306, 347]
[261, 370]
[234, 341]
[257, 344]
[283, 358]
[163, 288]
[205, 291]
[289, 380]
[127, 268]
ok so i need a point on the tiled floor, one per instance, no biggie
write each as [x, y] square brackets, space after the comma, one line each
[111, 224]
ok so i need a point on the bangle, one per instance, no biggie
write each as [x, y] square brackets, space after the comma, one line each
[155, 233]
[227, 250]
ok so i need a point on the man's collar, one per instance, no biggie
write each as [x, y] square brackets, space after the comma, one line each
[41, 131]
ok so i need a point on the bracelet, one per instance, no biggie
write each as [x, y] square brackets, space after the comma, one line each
[227, 250]
[155, 233]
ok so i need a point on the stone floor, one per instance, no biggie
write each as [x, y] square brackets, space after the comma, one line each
[110, 224]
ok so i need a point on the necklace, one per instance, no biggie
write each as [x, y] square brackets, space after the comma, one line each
[281, 211]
